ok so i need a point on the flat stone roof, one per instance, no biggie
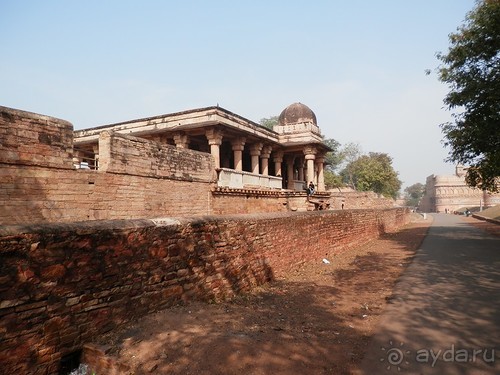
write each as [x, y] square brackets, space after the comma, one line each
[184, 120]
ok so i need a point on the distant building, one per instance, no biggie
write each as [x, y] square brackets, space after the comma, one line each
[448, 193]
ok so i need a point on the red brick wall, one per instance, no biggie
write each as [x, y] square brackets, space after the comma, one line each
[64, 284]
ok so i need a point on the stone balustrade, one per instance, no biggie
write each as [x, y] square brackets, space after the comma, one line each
[239, 179]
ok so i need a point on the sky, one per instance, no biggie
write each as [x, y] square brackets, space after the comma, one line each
[358, 64]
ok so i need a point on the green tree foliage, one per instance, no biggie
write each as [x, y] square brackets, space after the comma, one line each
[334, 157]
[471, 68]
[332, 180]
[373, 172]
[333, 160]
[349, 154]
[269, 122]
[414, 193]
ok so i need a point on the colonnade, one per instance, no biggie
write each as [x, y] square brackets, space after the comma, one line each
[309, 163]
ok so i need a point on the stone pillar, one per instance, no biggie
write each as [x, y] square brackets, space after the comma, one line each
[238, 144]
[255, 153]
[264, 156]
[320, 162]
[310, 155]
[96, 156]
[289, 171]
[278, 159]
[214, 137]
[181, 140]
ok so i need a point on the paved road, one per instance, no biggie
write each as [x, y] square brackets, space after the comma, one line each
[445, 315]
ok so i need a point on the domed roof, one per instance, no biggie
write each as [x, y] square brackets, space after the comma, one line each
[297, 113]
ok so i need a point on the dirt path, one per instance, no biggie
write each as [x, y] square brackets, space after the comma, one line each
[318, 319]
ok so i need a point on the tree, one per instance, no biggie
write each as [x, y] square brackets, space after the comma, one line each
[373, 172]
[349, 154]
[332, 180]
[414, 193]
[471, 68]
[269, 122]
[332, 158]
[332, 161]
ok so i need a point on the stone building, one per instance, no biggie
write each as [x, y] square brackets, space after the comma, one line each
[206, 161]
[246, 154]
[448, 193]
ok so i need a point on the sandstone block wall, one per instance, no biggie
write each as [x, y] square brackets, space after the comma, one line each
[226, 201]
[243, 201]
[124, 154]
[359, 200]
[40, 195]
[64, 284]
[139, 178]
[30, 139]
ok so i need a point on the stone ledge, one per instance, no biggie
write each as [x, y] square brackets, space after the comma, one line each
[35, 116]
[261, 192]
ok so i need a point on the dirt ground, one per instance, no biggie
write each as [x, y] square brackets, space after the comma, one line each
[318, 319]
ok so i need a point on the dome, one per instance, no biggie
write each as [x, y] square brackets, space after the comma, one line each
[297, 113]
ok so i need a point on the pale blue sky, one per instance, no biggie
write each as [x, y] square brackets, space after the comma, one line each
[358, 64]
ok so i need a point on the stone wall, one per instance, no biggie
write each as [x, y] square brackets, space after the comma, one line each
[123, 154]
[359, 200]
[449, 193]
[64, 284]
[137, 178]
[30, 139]
[40, 195]
[245, 201]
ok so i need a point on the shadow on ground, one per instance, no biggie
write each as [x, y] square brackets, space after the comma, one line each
[447, 302]
[316, 320]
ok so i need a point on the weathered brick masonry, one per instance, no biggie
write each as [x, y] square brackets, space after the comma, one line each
[136, 178]
[61, 285]
[64, 280]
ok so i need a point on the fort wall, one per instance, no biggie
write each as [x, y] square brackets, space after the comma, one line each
[450, 193]
[241, 201]
[35, 140]
[136, 178]
[359, 200]
[62, 285]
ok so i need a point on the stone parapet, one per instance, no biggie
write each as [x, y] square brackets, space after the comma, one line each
[31, 139]
[125, 154]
